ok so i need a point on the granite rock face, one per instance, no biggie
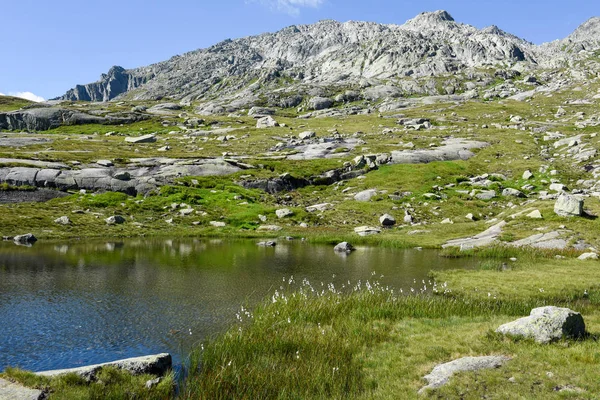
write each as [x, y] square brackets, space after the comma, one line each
[314, 58]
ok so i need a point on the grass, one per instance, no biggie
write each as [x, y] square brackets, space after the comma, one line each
[110, 383]
[367, 341]
[9, 103]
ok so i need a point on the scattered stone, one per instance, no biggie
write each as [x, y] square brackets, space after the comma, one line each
[153, 382]
[527, 175]
[568, 205]
[441, 374]
[64, 220]
[105, 163]
[546, 324]
[141, 139]
[447, 221]
[486, 195]
[535, 214]
[306, 135]
[470, 217]
[343, 247]
[218, 224]
[367, 230]
[283, 213]
[588, 256]
[387, 220]
[365, 195]
[558, 187]
[115, 220]
[485, 238]
[266, 122]
[269, 228]
[319, 207]
[510, 192]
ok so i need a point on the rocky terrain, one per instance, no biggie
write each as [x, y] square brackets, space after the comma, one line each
[316, 66]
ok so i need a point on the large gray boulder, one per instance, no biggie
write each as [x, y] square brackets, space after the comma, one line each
[441, 374]
[365, 195]
[27, 238]
[343, 247]
[157, 364]
[266, 122]
[568, 205]
[387, 220]
[319, 103]
[546, 324]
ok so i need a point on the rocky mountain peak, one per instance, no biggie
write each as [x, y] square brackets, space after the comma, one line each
[589, 30]
[430, 19]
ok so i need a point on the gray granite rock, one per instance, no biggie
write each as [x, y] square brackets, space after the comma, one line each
[546, 324]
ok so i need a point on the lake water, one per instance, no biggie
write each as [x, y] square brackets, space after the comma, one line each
[69, 305]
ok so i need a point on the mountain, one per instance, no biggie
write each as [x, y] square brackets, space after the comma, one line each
[429, 54]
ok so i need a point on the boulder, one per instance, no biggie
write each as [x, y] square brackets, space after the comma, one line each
[105, 163]
[141, 139]
[365, 195]
[260, 111]
[546, 324]
[306, 135]
[558, 187]
[527, 175]
[486, 195]
[157, 364]
[568, 205]
[535, 214]
[510, 192]
[27, 238]
[64, 220]
[367, 230]
[588, 256]
[269, 228]
[218, 224]
[266, 122]
[441, 374]
[284, 212]
[319, 207]
[269, 243]
[319, 103]
[387, 220]
[115, 220]
[343, 247]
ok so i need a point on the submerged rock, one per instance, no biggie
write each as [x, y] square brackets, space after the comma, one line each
[546, 324]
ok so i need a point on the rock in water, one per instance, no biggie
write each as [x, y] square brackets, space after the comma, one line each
[343, 247]
[568, 205]
[546, 324]
[442, 373]
[25, 239]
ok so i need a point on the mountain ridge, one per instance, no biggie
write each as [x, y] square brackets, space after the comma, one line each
[315, 58]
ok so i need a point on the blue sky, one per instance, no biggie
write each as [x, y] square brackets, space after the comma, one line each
[49, 46]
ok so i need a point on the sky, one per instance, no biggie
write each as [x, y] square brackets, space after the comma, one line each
[47, 47]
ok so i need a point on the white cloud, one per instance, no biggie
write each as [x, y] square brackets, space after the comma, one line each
[291, 7]
[25, 95]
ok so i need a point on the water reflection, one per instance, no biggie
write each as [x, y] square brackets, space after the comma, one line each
[81, 303]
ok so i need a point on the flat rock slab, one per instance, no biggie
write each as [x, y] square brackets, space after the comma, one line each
[157, 364]
[451, 150]
[14, 391]
[549, 240]
[546, 324]
[23, 141]
[485, 238]
[34, 163]
[441, 374]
